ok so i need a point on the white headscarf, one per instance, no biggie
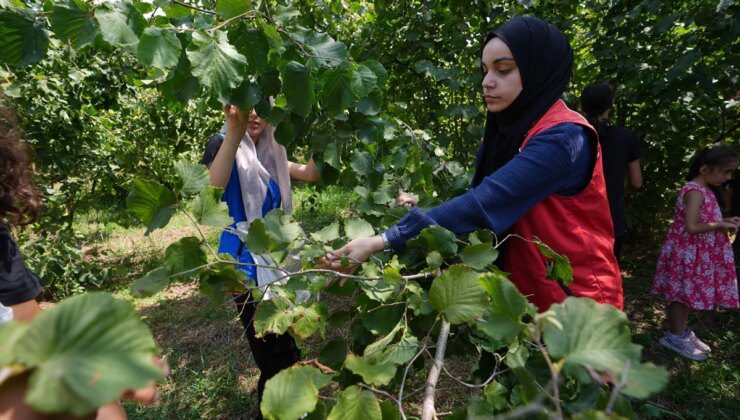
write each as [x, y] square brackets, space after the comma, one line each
[256, 164]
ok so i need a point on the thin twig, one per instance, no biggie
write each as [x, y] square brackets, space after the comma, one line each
[253, 14]
[618, 387]
[403, 380]
[189, 6]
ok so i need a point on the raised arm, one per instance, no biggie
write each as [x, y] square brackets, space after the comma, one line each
[635, 174]
[307, 172]
[236, 126]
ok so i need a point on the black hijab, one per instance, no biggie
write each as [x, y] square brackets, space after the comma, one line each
[545, 62]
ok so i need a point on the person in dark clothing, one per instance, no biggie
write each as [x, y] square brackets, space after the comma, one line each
[621, 154]
[538, 173]
[255, 173]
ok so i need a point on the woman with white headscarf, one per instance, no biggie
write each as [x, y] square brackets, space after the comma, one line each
[255, 173]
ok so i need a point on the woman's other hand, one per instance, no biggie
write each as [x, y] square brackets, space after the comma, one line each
[407, 199]
[357, 251]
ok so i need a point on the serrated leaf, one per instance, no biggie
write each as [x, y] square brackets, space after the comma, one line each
[369, 105]
[192, 177]
[598, 335]
[159, 47]
[121, 23]
[289, 395]
[336, 92]
[362, 162]
[257, 239]
[381, 320]
[309, 319]
[298, 87]
[209, 210]
[457, 295]
[252, 43]
[246, 96]
[280, 227]
[356, 404]
[375, 374]
[231, 8]
[151, 203]
[479, 256]
[24, 40]
[327, 234]
[273, 316]
[381, 74]
[218, 283]
[334, 353]
[72, 21]
[184, 256]
[505, 298]
[86, 350]
[358, 228]
[181, 85]
[152, 283]
[559, 267]
[401, 352]
[436, 238]
[216, 63]
[323, 49]
[496, 395]
[364, 81]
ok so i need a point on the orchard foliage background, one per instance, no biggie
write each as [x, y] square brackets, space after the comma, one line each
[384, 95]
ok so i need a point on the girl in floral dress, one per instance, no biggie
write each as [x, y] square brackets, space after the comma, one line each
[696, 269]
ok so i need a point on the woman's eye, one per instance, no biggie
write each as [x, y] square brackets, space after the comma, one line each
[504, 71]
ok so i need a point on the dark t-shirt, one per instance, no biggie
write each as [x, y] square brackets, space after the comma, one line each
[214, 143]
[17, 283]
[619, 146]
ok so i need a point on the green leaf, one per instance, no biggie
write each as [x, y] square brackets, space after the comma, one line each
[209, 210]
[327, 234]
[323, 49]
[72, 21]
[185, 255]
[298, 87]
[458, 295]
[559, 267]
[152, 283]
[24, 40]
[151, 203]
[10, 333]
[496, 395]
[180, 84]
[216, 63]
[381, 75]
[436, 238]
[246, 96]
[479, 256]
[273, 316]
[364, 81]
[369, 105]
[86, 350]
[356, 404]
[358, 228]
[217, 283]
[280, 227]
[334, 353]
[308, 319]
[159, 47]
[290, 394]
[389, 410]
[336, 92]
[380, 320]
[252, 43]
[257, 239]
[121, 23]
[503, 322]
[598, 335]
[192, 177]
[375, 374]
[231, 8]
[362, 162]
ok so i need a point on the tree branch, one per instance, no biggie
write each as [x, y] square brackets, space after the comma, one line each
[427, 411]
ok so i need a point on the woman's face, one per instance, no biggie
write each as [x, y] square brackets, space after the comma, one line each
[502, 82]
[718, 175]
[255, 125]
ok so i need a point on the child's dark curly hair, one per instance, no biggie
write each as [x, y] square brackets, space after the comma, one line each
[20, 201]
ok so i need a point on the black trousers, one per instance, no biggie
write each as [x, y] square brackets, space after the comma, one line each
[272, 352]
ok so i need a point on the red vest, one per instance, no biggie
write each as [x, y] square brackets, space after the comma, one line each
[577, 226]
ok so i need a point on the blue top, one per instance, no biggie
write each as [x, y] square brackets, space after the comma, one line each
[230, 243]
[558, 160]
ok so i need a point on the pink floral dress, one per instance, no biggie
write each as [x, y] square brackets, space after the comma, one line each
[697, 270]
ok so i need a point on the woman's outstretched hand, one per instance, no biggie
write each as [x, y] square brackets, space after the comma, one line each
[236, 122]
[357, 251]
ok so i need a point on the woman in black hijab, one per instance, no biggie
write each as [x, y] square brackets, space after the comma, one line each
[538, 174]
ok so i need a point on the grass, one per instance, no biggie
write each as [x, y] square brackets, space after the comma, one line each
[213, 374]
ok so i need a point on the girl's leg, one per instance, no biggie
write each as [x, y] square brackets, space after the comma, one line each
[678, 317]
